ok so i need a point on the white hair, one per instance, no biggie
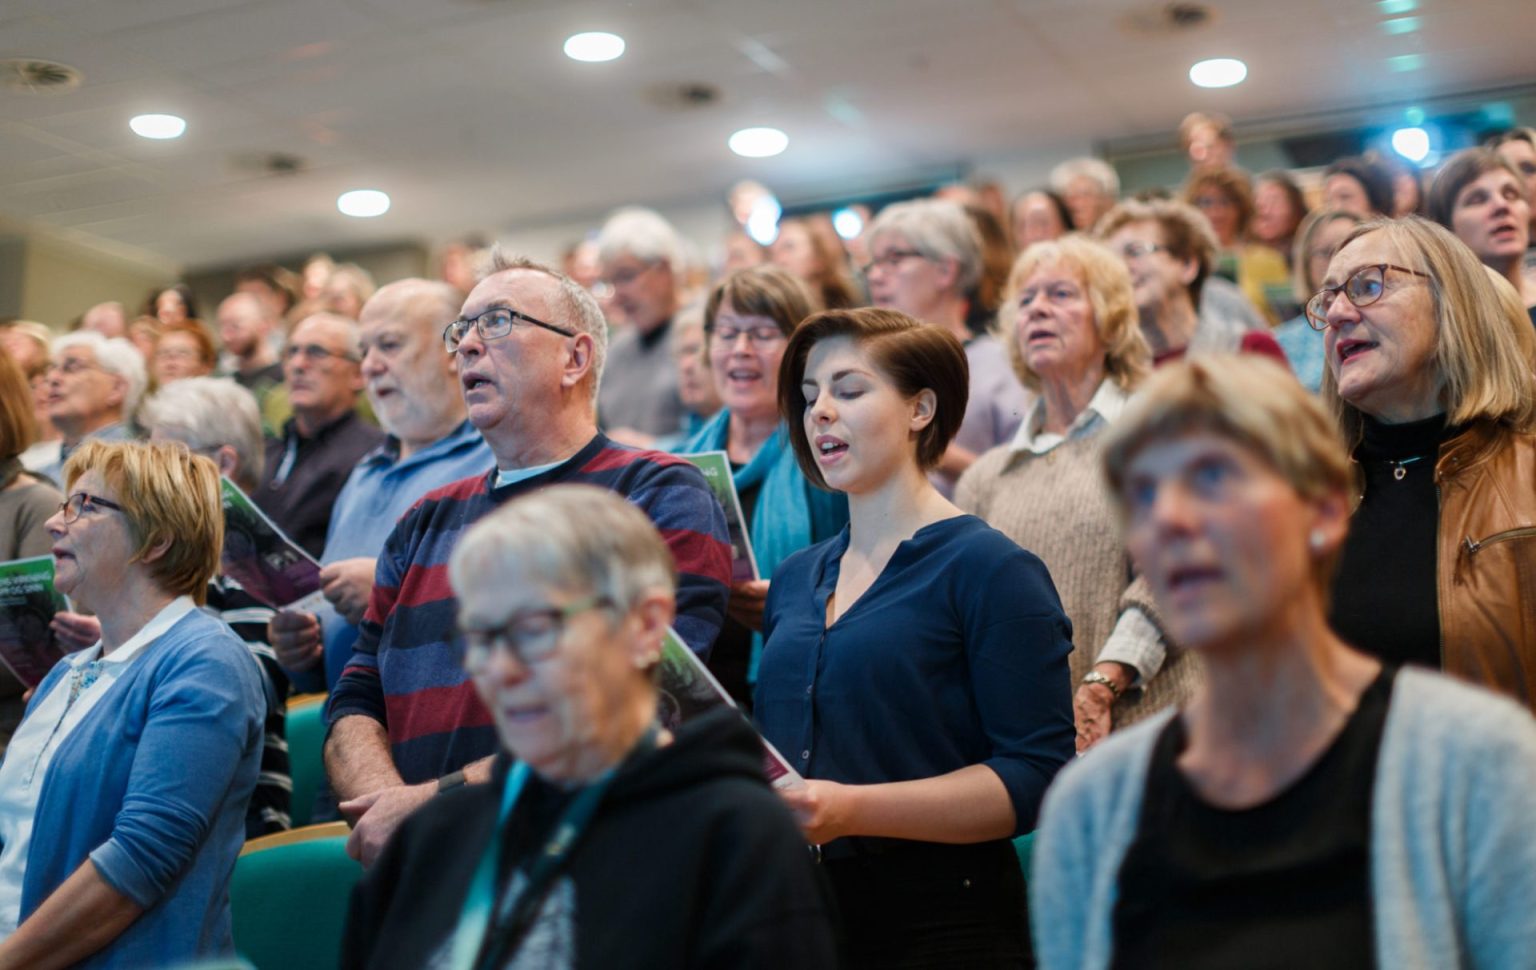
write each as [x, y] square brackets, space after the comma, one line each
[1096, 169]
[643, 234]
[936, 228]
[115, 355]
[206, 413]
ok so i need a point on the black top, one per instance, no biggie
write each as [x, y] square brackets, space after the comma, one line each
[298, 493]
[691, 861]
[1385, 599]
[1283, 884]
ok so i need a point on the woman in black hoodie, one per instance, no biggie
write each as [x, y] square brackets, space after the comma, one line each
[602, 840]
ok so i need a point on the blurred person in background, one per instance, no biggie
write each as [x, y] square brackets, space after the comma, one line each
[248, 329]
[925, 257]
[984, 296]
[183, 350]
[346, 290]
[1170, 250]
[276, 287]
[1407, 184]
[1225, 198]
[143, 334]
[1039, 215]
[172, 305]
[94, 387]
[1356, 184]
[108, 319]
[26, 502]
[1278, 208]
[695, 383]
[813, 255]
[29, 344]
[1089, 186]
[1481, 197]
[1431, 382]
[645, 263]
[1321, 234]
[460, 262]
[1207, 140]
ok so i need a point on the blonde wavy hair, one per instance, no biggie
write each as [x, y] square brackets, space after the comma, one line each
[1127, 357]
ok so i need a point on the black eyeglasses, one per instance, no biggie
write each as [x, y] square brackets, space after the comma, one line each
[1364, 287]
[890, 260]
[532, 636]
[498, 321]
[80, 501]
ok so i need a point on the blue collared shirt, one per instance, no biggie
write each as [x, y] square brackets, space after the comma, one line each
[380, 489]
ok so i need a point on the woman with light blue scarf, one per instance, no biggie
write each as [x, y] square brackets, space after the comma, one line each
[747, 322]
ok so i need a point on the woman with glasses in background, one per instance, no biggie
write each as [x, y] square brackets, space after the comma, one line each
[925, 256]
[1430, 379]
[748, 320]
[123, 792]
[602, 839]
[1225, 197]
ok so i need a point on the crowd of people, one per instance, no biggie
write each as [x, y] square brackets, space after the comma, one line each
[1193, 531]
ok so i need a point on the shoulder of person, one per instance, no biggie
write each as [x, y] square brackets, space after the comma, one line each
[1440, 717]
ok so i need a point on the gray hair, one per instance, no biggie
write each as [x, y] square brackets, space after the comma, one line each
[572, 538]
[574, 304]
[354, 343]
[1099, 171]
[116, 356]
[643, 234]
[936, 228]
[206, 413]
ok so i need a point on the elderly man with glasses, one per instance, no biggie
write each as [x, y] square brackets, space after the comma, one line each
[93, 387]
[405, 722]
[324, 439]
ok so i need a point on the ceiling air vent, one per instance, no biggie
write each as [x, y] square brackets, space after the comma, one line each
[267, 163]
[685, 96]
[1167, 18]
[33, 76]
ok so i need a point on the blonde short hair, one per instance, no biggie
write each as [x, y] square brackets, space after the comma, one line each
[1483, 356]
[1127, 357]
[1249, 399]
[168, 495]
[574, 538]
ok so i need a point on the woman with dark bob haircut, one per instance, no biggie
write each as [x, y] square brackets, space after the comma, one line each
[915, 669]
[1481, 197]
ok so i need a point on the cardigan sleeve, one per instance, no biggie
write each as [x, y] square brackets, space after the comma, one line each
[203, 715]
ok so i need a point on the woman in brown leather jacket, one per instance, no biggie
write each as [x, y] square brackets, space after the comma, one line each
[1428, 372]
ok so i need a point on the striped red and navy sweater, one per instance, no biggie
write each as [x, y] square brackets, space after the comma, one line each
[405, 670]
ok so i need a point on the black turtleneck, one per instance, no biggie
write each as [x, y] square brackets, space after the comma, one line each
[1384, 597]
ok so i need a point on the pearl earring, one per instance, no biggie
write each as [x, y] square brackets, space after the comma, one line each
[1316, 540]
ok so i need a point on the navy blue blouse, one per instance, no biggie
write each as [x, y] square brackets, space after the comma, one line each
[956, 655]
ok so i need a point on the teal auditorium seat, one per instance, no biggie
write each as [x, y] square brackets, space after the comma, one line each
[289, 898]
[1024, 845]
[306, 736]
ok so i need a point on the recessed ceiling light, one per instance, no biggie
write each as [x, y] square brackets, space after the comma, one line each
[1400, 25]
[847, 223]
[594, 46]
[157, 126]
[1218, 72]
[1391, 8]
[758, 142]
[1406, 62]
[1411, 143]
[363, 203]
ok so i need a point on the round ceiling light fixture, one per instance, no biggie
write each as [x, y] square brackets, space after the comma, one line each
[594, 47]
[363, 203]
[159, 127]
[758, 142]
[1218, 72]
[1411, 143]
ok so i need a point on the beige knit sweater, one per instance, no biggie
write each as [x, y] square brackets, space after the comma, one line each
[1057, 506]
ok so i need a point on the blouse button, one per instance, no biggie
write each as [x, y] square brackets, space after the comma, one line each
[805, 755]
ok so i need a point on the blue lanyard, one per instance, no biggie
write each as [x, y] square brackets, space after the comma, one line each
[469, 937]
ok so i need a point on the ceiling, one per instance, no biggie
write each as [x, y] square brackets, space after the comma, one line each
[469, 115]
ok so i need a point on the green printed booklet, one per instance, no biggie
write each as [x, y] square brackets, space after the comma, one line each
[688, 689]
[716, 466]
[28, 602]
[265, 562]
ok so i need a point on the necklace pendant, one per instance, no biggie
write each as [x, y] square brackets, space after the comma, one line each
[1399, 473]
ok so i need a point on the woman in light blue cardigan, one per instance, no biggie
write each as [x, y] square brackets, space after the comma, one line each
[747, 322]
[123, 793]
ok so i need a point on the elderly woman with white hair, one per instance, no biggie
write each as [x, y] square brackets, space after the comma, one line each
[94, 384]
[603, 840]
[645, 262]
[924, 259]
[1089, 186]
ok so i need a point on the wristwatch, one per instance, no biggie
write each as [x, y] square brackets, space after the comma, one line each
[1094, 677]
